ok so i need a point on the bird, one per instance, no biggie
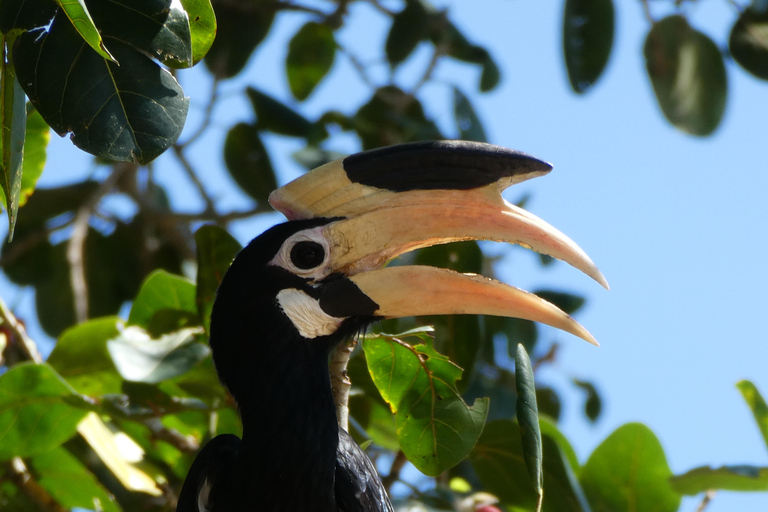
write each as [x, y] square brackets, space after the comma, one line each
[302, 287]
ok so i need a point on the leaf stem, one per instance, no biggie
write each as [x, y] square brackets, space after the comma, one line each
[19, 334]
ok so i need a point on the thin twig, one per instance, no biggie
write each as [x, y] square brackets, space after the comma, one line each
[210, 207]
[359, 67]
[19, 334]
[708, 496]
[440, 50]
[377, 5]
[20, 475]
[207, 115]
[394, 471]
[647, 11]
[340, 383]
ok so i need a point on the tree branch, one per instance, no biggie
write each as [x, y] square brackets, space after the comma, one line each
[21, 476]
[394, 471]
[18, 334]
[340, 383]
[708, 496]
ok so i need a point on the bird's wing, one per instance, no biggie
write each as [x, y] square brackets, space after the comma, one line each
[211, 467]
[358, 486]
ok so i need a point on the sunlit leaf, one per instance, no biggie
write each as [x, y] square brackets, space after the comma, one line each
[215, 251]
[248, 162]
[311, 53]
[202, 25]
[748, 42]
[81, 19]
[528, 418]
[726, 478]
[757, 405]
[688, 75]
[587, 40]
[628, 472]
[35, 415]
[13, 125]
[35, 144]
[436, 429]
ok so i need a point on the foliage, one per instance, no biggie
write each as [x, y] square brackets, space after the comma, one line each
[122, 404]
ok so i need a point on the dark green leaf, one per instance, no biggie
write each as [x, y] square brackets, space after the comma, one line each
[467, 122]
[757, 405]
[629, 472]
[81, 357]
[162, 291]
[445, 34]
[688, 75]
[140, 358]
[35, 416]
[157, 27]
[70, 483]
[748, 42]
[277, 117]
[491, 75]
[436, 429]
[215, 251]
[568, 302]
[548, 402]
[134, 111]
[726, 478]
[78, 14]
[242, 25]
[202, 25]
[528, 418]
[311, 52]
[248, 162]
[593, 405]
[13, 125]
[409, 27]
[587, 40]
[498, 461]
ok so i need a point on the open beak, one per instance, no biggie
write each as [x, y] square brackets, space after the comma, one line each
[394, 200]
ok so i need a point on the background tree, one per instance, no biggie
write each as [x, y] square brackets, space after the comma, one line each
[92, 245]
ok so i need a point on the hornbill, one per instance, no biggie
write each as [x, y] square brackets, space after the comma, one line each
[300, 288]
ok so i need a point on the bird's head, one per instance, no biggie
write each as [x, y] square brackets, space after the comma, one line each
[321, 276]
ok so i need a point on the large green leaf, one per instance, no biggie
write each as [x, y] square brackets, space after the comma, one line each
[688, 75]
[528, 418]
[37, 411]
[139, 358]
[499, 462]
[215, 251]
[13, 126]
[81, 357]
[436, 429]
[587, 40]
[726, 478]
[70, 483]
[248, 162]
[311, 53]
[78, 14]
[629, 472]
[757, 405]
[133, 111]
[164, 297]
[202, 25]
[748, 42]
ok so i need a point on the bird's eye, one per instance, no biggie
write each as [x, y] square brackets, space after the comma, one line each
[307, 254]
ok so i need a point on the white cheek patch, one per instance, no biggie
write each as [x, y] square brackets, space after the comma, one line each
[306, 315]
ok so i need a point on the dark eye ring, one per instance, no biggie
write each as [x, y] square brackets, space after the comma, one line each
[307, 254]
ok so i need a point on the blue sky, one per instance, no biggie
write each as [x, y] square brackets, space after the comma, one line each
[677, 224]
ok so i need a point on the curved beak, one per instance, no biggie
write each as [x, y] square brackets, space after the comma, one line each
[397, 199]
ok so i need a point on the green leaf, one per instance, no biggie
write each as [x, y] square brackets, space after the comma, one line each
[436, 429]
[215, 251]
[277, 117]
[35, 415]
[242, 26]
[593, 405]
[757, 405]
[467, 122]
[548, 402]
[13, 112]
[688, 75]
[587, 40]
[629, 472]
[248, 162]
[160, 292]
[409, 27]
[81, 19]
[311, 53]
[748, 42]
[70, 483]
[499, 463]
[202, 25]
[446, 35]
[726, 478]
[158, 27]
[35, 144]
[131, 112]
[528, 418]
[140, 358]
[81, 357]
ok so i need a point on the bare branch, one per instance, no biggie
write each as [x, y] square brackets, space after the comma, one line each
[18, 334]
[708, 496]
